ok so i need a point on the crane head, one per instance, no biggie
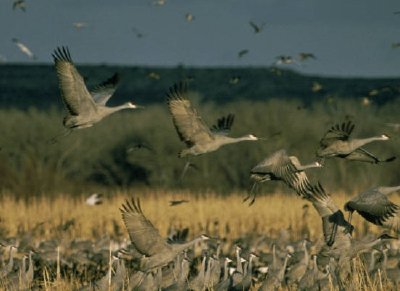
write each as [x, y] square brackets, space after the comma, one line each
[385, 137]
[133, 106]
[318, 164]
[204, 237]
[252, 137]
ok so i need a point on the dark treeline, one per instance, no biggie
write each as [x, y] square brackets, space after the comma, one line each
[139, 148]
[25, 86]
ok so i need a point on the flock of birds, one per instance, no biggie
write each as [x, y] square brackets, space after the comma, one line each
[150, 262]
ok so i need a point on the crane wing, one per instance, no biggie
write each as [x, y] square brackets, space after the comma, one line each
[189, 125]
[144, 236]
[224, 125]
[335, 227]
[103, 92]
[266, 166]
[337, 132]
[75, 95]
[374, 206]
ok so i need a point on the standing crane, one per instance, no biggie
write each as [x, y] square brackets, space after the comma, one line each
[84, 108]
[337, 143]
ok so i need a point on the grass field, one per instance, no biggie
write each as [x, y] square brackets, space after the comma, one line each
[224, 217]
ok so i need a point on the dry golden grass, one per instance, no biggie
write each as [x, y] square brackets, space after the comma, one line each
[221, 216]
[267, 216]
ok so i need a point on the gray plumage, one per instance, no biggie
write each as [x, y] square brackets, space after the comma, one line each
[84, 108]
[192, 130]
[337, 143]
[281, 166]
[146, 239]
[339, 243]
[374, 206]
[4, 271]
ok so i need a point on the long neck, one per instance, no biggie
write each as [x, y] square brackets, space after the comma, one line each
[184, 270]
[306, 255]
[238, 261]
[274, 261]
[385, 258]
[203, 268]
[250, 266]
[361, 246]
[10, 260]
[372, 263]
[229, 140]
[281, 273]
[110, 110]
[29, 273]
[356, 143]
[303, 167]
[208, 273]
[181, 247]
[388, 190]
[226, 269]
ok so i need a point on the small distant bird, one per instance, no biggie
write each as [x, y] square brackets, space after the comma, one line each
[189, 17]
[366, 101]
[19, 4]
[306, 56]
[234, 80]
[242, 53]
[396, 45]
[316, 87]
[159, 2]
[137, 32]
[285, 60]
[257, 28]
[84, 108]
[80, 25]
[94, 199]
[177, 202]
[23, 48]
[154, 76]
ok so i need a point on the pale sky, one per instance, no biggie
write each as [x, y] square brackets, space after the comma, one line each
[349, 38]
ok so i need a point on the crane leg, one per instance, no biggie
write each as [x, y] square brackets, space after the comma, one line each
[185, 169]
[252, 194]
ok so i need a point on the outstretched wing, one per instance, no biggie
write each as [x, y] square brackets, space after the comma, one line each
[103, 92]
[144, 236]
[337, 132]
[362, 155]
[266, 166]
[224, 125]
[374, 206]
[189, 125]
[334, 226]
[74, 93]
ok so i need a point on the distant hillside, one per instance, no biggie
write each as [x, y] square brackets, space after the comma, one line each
[24, 86]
